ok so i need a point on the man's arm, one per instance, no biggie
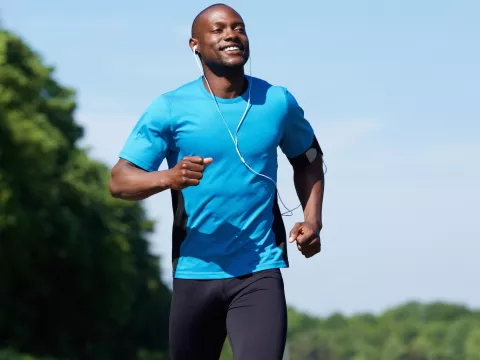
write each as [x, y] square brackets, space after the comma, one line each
[129, 182]
[309, 183]
[306, 157]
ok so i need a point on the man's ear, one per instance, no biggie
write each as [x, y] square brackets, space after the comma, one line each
[194, 46]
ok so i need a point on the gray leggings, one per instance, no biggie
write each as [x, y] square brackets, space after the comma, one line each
[250, 309]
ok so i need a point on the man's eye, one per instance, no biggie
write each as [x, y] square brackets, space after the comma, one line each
[217, 30]
[240, 29]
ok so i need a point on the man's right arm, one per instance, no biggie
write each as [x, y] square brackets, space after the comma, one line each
[129, 182]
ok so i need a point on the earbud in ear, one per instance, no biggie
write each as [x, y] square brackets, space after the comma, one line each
[195, 49]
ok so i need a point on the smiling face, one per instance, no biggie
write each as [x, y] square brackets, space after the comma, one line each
[221, 39]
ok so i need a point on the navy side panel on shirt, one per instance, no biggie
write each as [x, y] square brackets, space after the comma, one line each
[229, 225]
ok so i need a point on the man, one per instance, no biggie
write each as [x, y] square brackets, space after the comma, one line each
[229, 239]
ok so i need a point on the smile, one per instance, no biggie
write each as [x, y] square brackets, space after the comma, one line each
[231, 48]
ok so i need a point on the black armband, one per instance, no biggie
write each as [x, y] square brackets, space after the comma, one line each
[309, 156]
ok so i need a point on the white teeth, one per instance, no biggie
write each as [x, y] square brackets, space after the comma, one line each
[232, 48]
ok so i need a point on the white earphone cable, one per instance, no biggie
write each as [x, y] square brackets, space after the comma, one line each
[235, 138]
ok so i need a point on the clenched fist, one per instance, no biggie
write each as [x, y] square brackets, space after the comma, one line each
[187, 172]
[307, 237]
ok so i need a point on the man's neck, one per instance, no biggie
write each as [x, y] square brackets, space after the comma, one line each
[227, 86]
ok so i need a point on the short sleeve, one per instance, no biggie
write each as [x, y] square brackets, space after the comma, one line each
[150, 140]
[298, 134]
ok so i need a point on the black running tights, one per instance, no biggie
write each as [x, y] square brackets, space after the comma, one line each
[250, 310]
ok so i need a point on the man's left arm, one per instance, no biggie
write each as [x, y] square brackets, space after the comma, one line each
[309, 183]
[304, 153]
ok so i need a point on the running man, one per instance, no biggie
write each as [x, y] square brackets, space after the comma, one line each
[228, 239]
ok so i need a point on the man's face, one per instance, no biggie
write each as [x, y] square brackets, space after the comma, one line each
[222, 39]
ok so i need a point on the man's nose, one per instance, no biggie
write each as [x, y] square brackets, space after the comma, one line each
[231, 35]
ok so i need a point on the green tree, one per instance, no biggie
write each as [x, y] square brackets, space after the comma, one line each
[77, 280]
[311, 345]
[394, 349]
[472, 344]
[227, 353]
[300, 322]
[455, 337]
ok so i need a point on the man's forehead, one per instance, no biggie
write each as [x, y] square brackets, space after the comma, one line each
[215, 14]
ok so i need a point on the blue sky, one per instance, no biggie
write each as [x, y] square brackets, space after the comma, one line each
[390, 87]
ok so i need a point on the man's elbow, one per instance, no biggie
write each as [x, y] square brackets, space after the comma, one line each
[114, 186]
[114, 189]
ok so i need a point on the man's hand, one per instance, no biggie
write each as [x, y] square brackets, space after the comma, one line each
[307, 237]
[188, 172]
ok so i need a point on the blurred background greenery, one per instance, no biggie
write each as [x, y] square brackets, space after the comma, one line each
[77, 277]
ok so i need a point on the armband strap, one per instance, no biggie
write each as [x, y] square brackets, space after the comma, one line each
[309, 156]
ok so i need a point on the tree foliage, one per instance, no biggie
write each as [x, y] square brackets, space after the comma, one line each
[413, 331]
[77, 279]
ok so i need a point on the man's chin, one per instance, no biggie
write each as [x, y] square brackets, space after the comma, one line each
[228, 64]
[235, 63]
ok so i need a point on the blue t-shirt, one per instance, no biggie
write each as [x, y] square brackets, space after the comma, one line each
[230, 224]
